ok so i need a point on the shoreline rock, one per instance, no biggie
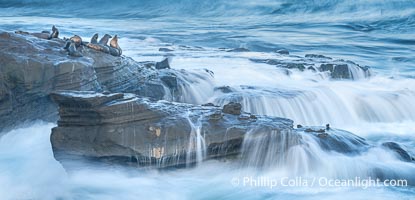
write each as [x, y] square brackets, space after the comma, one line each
[146, 133]
[32, 67]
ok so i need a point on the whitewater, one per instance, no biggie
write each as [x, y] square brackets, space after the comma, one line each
[203, 35]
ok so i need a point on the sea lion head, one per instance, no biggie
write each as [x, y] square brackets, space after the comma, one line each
[114, 42]
[77, 40]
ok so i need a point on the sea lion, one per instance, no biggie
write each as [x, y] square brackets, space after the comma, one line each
[104, 40]
[41, 35]
[98, 47]
[22, 32]
[115, 49]
[77, 40]
[114, 42]
[72, 51]
[74, 39]
[55, 33]
[94, 39]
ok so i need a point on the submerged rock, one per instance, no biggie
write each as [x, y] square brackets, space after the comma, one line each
[336, 140]
[232, 108]
[224, 89]
[165, 49]
[240, 49]
[396, 148]
[283, 51]
[127, 129]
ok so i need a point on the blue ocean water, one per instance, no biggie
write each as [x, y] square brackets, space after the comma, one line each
[375, 33]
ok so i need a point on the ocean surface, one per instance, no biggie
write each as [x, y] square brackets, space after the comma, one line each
[375, 33]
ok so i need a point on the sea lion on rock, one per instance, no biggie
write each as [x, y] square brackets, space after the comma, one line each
[22, 32]
[55, 33]
[114, 42]
[73, 51]
[94, 39]
[77, 40]
[74, 39]
[115, 49]
[104, 40]
[99, 47]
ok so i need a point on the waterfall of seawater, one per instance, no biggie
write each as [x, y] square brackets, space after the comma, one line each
[322, 104]
[300, 154]
[267, 149]
[196, 151]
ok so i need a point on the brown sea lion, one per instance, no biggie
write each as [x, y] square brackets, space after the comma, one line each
[115, 49]
[98, 47]
[74, 39]
[77, 40]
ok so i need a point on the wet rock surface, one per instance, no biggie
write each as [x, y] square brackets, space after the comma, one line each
[134, 130]
[232, 108]
[396, 148]
[336, 69]
[336, 140]
[126, 129]
[32, 67]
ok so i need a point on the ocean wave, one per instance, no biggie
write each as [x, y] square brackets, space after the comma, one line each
[214, 8]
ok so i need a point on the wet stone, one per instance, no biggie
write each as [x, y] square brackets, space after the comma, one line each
[232, 108]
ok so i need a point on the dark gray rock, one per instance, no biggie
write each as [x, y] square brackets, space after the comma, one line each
[164, 49]
[282, 63]
[336, 140]
[340, 71]
[164, 64]
[337, 69]
[232, 108]
[240, 49]
[127, 129]
[283, 52]
[224, 89]
[400, 152]
[317, 56]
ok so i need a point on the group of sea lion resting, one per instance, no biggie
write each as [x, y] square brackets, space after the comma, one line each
[75, 44]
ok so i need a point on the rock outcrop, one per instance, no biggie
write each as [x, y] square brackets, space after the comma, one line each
[400, 152]
[131, 130]
[32, 67]
[127, 129]
[336, 69]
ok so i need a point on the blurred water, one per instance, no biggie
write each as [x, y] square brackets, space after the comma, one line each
[376, 33]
